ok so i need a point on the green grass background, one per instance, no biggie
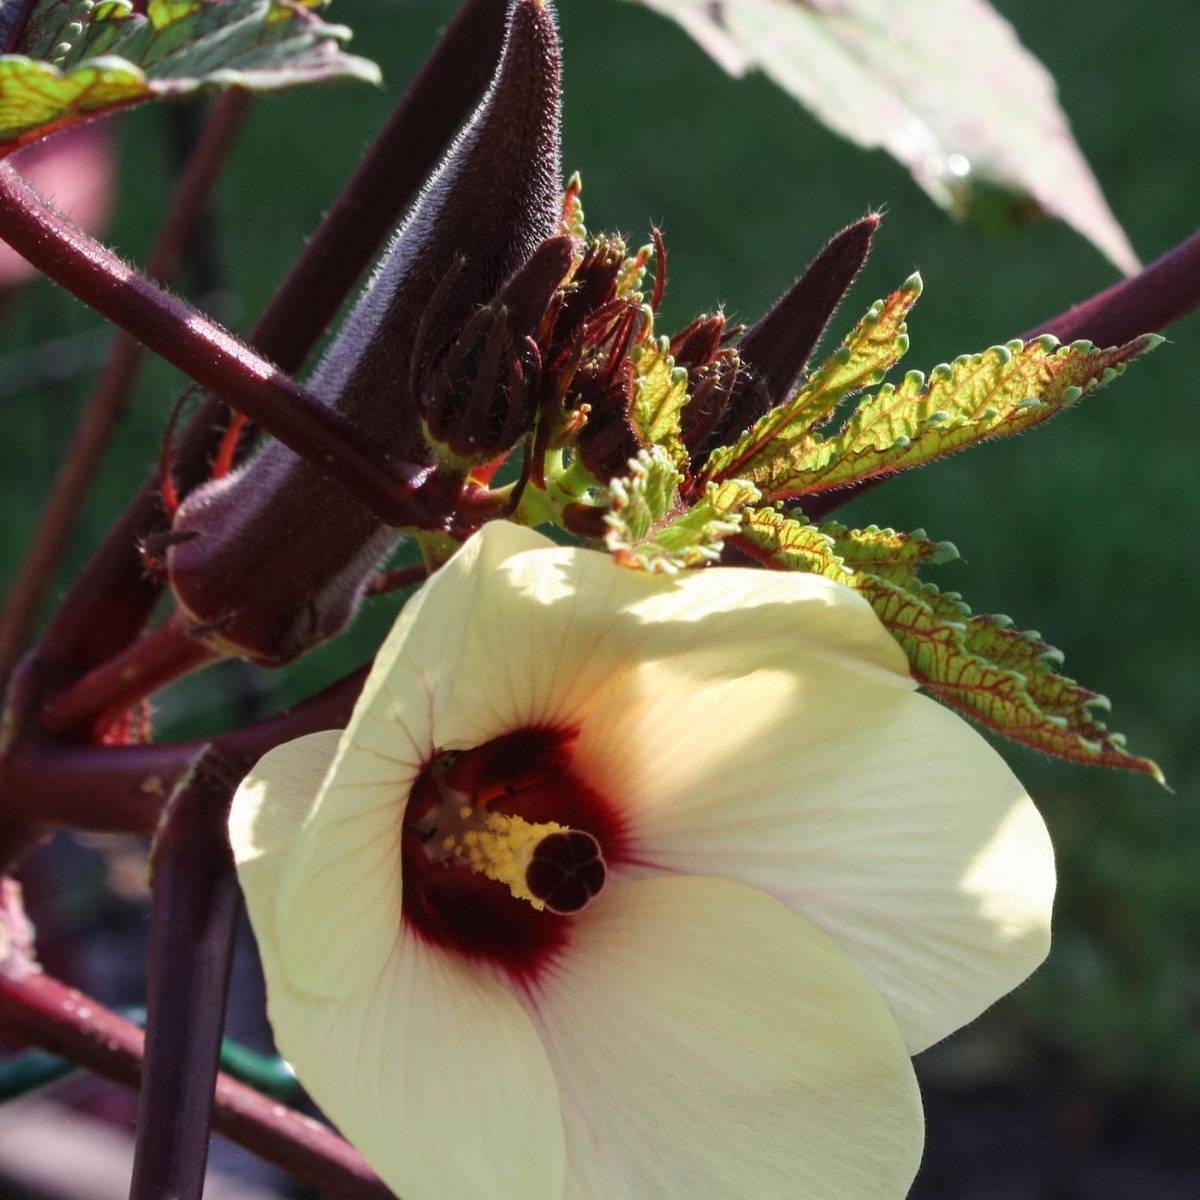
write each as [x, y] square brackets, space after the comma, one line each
[1085, 531]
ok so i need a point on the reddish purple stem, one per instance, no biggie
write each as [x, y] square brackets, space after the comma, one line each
[194, 910]
[102, 413]
[205, 352]
[37, 1009]
[104, 695]
[125, 787]
[1157, 296]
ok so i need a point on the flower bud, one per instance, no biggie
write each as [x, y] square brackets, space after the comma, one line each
[281, 553]
[479, 398]
[696, 344]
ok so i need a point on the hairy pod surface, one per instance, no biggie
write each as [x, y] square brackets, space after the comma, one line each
[776, 349]
[279, 554]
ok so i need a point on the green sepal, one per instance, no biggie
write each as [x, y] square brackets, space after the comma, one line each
[977, 664]
[78, 59]
[649, 529]
[659, 395]
[573, 223]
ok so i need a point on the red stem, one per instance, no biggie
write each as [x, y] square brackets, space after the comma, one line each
[104, 695]
[112, 597]
[195, 905]
[205, 352]
[39, 1010]
[107, 401]
[1157, 296]
[110, 788]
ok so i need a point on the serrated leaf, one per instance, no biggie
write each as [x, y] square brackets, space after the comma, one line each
[75, 59]
[868, 352]
[650, 530]
[659, 395]
[944, 86]
[977, 664]
[894, 556]
[979, 397]
[633, 275]
[572, 222]
[786, 544]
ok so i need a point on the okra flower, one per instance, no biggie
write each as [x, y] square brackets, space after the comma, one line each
[629, 887]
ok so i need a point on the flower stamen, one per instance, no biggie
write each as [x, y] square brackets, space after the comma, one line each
[549, 865]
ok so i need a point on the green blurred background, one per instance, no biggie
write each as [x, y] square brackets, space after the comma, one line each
[1085, 531]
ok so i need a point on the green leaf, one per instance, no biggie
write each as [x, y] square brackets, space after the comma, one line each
[868, 352]
[76, 59]
[896, 557]
[659, 394]
[633, 275]
[977, 664]
[650, 530]
[944, 86]
[572, 222]
[979, 397]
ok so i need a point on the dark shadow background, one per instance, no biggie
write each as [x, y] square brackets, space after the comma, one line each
[1087, 1081]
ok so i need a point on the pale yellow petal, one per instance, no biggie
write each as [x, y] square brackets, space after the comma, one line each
[710, 1043]
[434, 1071]
[871, 810]
[340, 894]
[516, 631]
[435, 1074]
[267, 812]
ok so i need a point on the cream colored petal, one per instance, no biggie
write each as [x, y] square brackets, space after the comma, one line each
[710, 1043]
[872, 811]
[434, 1072]
[516, 631]
[340, 895]
[267, 812]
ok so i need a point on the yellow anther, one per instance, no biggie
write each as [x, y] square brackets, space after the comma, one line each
[501, 847]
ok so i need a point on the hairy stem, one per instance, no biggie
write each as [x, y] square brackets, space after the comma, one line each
[204, 351]
[1169, 288]
[195, 904]
[107, 401]
[39, 1010]
[113, 597]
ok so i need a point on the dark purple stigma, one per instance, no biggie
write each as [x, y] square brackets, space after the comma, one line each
[567, 871]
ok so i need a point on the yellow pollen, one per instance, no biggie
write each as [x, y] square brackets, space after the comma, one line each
[501, 847]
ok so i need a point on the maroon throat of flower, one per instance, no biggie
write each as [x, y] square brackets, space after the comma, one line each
[503, 844]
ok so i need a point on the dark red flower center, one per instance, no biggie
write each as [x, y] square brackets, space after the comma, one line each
[527, 774]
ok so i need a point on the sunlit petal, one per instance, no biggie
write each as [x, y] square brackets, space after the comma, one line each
[710, 1043]
[873, 811]
[434, 1072]
[515, 631]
